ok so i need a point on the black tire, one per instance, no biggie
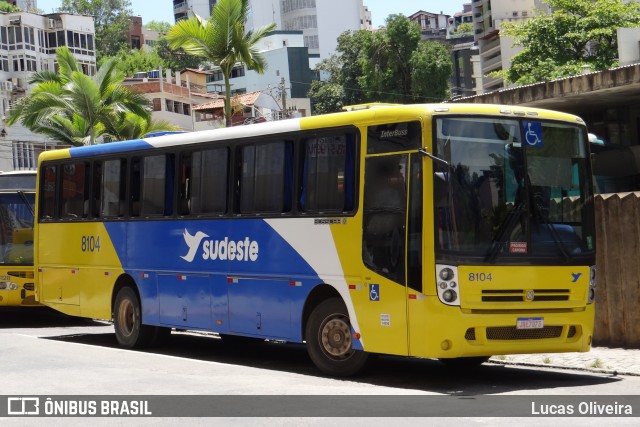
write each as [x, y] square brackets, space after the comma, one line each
[465, 362]
[127, 321]
[329, 341]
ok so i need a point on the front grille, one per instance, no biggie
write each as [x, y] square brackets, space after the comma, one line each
[510, 333]
[470, 335]
[504, 333]
[520, 295]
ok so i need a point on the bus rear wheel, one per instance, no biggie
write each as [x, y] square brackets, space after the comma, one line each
[329, 341]
[127, 321]
[465, 362]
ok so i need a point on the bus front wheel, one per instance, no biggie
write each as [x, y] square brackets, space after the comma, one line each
[329, 340]
[127, 321]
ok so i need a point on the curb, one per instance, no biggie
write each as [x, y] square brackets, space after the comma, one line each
[612, 372]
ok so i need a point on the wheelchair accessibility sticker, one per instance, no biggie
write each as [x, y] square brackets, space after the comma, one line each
[374, 292]
[533, 134]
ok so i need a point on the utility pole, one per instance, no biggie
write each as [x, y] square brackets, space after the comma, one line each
[283, 95]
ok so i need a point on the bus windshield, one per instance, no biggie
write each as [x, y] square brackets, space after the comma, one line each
[513, 190]
[16, 228]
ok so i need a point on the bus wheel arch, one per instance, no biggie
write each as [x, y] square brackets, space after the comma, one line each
[327, 331]
[127, 317]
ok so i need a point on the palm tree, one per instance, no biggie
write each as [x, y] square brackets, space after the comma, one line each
[222, 40]
[73, 108]
[133, 126]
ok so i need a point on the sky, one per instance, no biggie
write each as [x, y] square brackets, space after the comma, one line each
[162, 10]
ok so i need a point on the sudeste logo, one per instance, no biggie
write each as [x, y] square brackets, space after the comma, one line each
[225, 249]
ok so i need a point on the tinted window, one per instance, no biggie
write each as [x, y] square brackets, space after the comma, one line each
[384, 215]
[151, 190]
[204, 182]
[265, 178]
[328, 177]
[112, 192]
[75, 190]
[48, 193]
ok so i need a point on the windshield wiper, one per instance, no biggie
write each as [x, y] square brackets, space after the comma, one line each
[26, 202]
[505, 229]
[554, 233]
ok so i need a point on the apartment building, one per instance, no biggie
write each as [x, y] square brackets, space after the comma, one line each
[432, 25]
[28, 43]
[495, 49]
[317, 19]
[287, 61]
[182, 8]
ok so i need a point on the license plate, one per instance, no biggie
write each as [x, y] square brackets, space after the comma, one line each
[530, 323]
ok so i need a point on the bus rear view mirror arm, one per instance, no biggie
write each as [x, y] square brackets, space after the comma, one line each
[424, 152]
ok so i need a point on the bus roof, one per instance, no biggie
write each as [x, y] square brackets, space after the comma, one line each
[370, 113]
[18, 180]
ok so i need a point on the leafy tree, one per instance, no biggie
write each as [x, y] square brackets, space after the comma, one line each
[111, 19]
[175, 59]
[462, 30]
[222, 40]
[8, 7]
[431, 67]
[159, 26]
[129, 62]
[578, 34]
[76, 109]
[328, 95]
[133, 126]
[390, 65]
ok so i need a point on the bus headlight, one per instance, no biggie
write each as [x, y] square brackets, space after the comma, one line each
[592, 285]
[446, 279]
[9, 285]
[449, 295]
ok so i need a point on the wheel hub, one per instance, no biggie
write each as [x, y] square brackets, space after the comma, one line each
[336, 338]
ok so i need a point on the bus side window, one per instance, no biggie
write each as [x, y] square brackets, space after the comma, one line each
[209, 180]
[48, 192]
[153, 185]
[266, 178]
[75, 192]
[328, 178]
[112, 192]
[184, 184]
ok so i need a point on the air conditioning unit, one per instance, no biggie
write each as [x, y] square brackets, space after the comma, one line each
[8, 86]
[52, 23]
[15, 21]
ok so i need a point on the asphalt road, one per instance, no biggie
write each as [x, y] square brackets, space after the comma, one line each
[44, 353]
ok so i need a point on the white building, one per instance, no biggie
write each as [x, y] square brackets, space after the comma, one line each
[28, 43]
[182, 8]
[321, 21]
[287, 60]
[495, 49]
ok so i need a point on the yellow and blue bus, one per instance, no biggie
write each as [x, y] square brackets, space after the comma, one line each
[442, 231]
[17, 205]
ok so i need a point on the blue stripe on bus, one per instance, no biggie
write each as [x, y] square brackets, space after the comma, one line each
[110, 147]
[183, 282]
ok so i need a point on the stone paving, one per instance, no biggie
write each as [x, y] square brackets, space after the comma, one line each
[618, 361]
